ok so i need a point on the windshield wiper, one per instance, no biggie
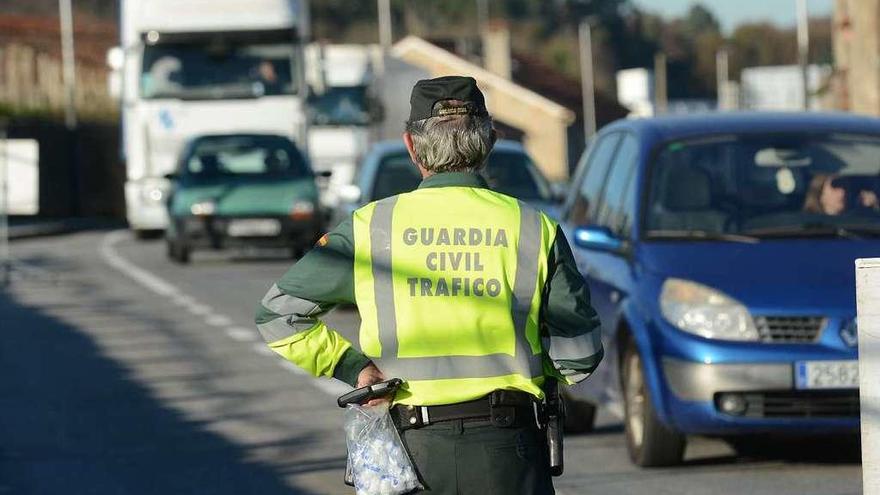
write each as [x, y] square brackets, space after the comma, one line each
[817, 230]
[700, 235]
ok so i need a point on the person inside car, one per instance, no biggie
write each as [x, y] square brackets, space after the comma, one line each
[828, 195]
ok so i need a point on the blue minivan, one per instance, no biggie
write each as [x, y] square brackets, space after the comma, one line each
[719, 250]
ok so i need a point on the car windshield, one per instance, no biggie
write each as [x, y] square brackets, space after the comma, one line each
[216, 69]
[341, 105]
[246, 156]
[508, 172]
[792, 185]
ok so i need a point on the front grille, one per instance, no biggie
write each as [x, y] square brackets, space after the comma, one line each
[800, 404]
[789, 329]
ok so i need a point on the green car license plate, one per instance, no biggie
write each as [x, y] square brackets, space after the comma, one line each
[254, 227]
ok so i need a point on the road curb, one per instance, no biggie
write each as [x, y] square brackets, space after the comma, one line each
[42, 228]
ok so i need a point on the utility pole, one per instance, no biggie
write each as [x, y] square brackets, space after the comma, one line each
[65, 15]
[803, 41]
[482, 16]
[587, 85]
[5, 256]
[660, 95]
[721, 73]
[385, 34]
[722, 78]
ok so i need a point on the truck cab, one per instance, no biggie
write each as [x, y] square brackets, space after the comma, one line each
[185, 69]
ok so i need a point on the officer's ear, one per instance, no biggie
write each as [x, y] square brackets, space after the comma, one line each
[408, 141]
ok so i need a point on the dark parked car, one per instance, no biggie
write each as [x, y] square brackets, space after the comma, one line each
[242, 189]
[719, 251]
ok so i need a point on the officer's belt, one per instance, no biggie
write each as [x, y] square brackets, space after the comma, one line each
[503, 408]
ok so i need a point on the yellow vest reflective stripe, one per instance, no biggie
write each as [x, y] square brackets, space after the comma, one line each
[448, 300]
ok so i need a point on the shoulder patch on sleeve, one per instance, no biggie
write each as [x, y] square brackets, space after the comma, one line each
[323, 241]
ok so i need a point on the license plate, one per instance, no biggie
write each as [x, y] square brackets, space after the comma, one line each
[255, 227]
[826, 374]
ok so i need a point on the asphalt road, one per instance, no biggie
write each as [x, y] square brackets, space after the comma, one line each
[121, 373]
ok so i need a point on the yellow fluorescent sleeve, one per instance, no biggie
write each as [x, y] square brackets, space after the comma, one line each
[316, 350]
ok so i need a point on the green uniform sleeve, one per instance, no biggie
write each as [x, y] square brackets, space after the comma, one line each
[568, 318]
[288, 317]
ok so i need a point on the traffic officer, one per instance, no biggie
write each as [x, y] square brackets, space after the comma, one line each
[470, 296]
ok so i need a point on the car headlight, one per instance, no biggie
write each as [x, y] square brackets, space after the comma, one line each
[203, 208]
[302, 210]
[704, 311]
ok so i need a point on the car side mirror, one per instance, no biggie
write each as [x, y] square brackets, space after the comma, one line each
[599, 239]
[324, 173]
[350, 193]
[172, 176]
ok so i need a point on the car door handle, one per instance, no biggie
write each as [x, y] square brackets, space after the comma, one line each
[614, 296]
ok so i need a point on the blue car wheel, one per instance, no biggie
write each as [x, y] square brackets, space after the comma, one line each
[650, 443]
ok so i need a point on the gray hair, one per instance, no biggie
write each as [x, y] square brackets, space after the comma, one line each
[452, 143]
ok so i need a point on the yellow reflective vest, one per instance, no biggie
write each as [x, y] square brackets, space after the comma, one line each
[448, 283]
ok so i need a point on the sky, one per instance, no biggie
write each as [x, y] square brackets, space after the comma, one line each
[730, 13]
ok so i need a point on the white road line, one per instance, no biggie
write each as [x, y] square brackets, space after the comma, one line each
[143, 277]
[242, 334]
[261, 348]
[199, 309]
[292, 368]
[218, 320]
[331, 386]
[163, 288]
[183, 300]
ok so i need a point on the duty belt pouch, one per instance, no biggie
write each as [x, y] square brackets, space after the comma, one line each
[502, 410]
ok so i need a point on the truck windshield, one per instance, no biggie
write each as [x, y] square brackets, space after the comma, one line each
[340, 105]
[793, 185]
[216, 157]
[218, 69]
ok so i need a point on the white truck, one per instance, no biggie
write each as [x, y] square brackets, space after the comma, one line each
[344, 110]
[192, 67]
[359, 96]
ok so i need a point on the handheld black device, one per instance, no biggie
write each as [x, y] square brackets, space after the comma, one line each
[370, 392]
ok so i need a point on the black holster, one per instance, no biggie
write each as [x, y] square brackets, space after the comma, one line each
[554, 420]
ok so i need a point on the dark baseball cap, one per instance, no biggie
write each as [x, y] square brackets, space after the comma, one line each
[428, 92]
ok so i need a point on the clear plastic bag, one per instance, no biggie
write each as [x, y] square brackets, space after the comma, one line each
[377, 458]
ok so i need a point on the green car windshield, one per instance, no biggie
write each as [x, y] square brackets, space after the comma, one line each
[243, 156]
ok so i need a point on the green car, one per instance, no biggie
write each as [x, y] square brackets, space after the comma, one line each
[242, 190]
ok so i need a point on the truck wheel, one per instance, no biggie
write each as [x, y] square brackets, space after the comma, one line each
[146, 235]
[650, 443]
[580, 415]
